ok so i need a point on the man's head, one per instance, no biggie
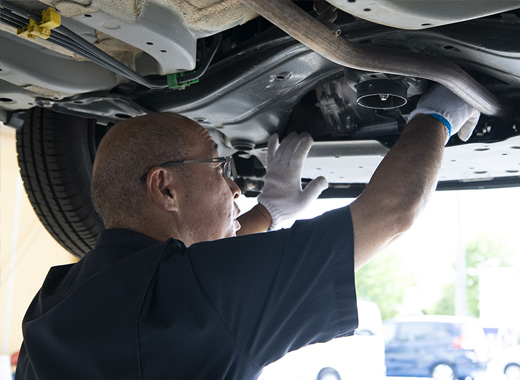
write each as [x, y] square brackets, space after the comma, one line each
[191, 202]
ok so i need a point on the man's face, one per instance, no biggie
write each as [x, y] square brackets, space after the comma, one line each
[207, 200]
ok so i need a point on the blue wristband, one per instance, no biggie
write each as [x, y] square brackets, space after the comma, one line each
[443, 121]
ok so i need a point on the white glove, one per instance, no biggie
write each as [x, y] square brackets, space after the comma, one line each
[282, 193]
[458, 116]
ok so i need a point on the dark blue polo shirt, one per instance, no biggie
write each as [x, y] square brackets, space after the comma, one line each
[136, 309]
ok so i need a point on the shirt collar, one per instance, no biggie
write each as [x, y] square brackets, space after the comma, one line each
[124, 239]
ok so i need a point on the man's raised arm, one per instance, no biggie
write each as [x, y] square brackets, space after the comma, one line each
[282, 197]
[405, 179]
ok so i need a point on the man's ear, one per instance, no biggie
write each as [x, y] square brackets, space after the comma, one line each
[160, 185]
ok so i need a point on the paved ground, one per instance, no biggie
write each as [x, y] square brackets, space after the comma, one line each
[485, 376]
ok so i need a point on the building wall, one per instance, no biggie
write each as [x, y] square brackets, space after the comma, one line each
[34, 251]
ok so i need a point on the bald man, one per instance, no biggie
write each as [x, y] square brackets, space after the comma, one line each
[169, 292]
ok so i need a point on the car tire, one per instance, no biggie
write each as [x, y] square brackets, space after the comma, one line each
[512, 371]
[55, 155]
[328, 373]
[443, 371]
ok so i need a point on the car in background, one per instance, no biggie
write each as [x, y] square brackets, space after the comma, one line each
[506, 363]
[359, 357]
[441, 347]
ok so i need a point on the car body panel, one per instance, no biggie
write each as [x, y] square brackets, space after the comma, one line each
[414, 346]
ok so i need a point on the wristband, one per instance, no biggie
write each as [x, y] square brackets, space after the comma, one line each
[443, 121]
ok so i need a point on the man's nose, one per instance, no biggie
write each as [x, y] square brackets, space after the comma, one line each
[234, 188]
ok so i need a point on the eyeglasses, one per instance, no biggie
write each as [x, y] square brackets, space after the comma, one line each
[225, 164]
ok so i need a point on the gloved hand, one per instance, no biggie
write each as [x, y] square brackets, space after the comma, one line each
[282, 193]
[458, 116]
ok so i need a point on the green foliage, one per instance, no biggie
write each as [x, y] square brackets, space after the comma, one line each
[488, 252]
[384, 281]
[446, 304]
[484, 252]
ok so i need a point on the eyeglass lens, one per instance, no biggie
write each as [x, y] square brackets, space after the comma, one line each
[226, 169]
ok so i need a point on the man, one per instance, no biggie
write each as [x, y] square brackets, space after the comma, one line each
[169, 292]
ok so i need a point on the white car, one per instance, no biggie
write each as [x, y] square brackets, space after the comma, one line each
[359, 357]
[506, 364]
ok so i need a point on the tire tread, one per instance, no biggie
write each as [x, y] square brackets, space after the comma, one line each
[56, 165]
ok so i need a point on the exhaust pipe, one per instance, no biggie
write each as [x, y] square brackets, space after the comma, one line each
[316, 36]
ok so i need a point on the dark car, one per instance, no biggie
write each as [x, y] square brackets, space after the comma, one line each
[441, 347]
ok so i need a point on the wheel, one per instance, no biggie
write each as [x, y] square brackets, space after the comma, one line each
[443, 371]
[328, 373]
[512, 371]
[55, 155]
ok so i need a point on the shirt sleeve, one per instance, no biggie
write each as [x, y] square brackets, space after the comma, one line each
[282, 290]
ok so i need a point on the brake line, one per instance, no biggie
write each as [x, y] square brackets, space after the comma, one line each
[100, 54]
[16, 10]
[67, 39]
[206, 61]
[64, 37]
[63, 41]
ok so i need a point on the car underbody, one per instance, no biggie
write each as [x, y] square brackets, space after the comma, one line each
[347, 72]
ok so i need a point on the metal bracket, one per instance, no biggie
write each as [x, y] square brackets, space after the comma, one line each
[175, 81]
[50, 20]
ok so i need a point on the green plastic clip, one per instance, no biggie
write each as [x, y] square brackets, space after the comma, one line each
[175, 81]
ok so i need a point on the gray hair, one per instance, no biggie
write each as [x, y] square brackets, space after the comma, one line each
[127, 151]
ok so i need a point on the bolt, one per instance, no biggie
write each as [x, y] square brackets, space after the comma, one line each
[250, 185]
[384, 97]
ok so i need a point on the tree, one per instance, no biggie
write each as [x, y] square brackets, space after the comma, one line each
[483, 252]
[384, 281]
[486, 251]
[446, 304]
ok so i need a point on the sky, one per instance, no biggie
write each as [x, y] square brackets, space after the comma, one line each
[494, 211]
[450, 220]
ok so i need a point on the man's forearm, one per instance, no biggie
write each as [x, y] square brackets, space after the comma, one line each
[254, 221]
[410, 170]
[399, 188]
